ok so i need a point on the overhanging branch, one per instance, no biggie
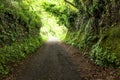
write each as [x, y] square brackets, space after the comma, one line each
[70, 3]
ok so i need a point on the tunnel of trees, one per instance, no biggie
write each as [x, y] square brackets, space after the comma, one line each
[93, 26]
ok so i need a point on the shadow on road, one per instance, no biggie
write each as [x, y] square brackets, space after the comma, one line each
[50, 62]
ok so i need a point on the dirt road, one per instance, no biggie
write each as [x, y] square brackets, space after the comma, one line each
[58, 61]
[49, 63]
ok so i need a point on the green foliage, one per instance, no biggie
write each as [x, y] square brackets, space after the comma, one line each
[17, 51]
[81, 39]
[64, 13]
[95, 23]
[104, 58]
[59, 11]
[106, 51]
[20, 23]
[50, 27]
[114, 32]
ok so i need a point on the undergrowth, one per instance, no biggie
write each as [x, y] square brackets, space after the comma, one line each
[104, 57]
[96, 30]
[16, 52]
[20, 23]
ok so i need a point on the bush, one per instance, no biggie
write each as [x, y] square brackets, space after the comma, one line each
[17, 51]
[104, 58]
[18, 21]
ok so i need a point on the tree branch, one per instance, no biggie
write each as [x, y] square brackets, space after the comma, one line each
[70, 3]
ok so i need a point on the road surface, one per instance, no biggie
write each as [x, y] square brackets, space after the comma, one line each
[50, 62]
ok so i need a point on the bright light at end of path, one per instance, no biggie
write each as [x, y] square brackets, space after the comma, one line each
[53, 39]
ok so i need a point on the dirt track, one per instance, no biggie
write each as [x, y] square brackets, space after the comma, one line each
[58, 61]
[49, 63]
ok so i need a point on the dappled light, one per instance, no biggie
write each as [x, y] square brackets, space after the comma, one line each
[24, 26]
[51, 27]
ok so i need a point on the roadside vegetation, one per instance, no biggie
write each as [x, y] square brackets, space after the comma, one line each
[20, 24]
[93, 26]
[24, 27]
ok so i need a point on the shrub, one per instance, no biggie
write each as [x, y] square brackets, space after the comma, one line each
[104, 58]
[17, 51]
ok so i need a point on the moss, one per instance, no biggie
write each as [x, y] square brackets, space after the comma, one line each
[111, 40]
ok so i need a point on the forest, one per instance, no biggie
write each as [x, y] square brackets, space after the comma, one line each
[92, 26]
